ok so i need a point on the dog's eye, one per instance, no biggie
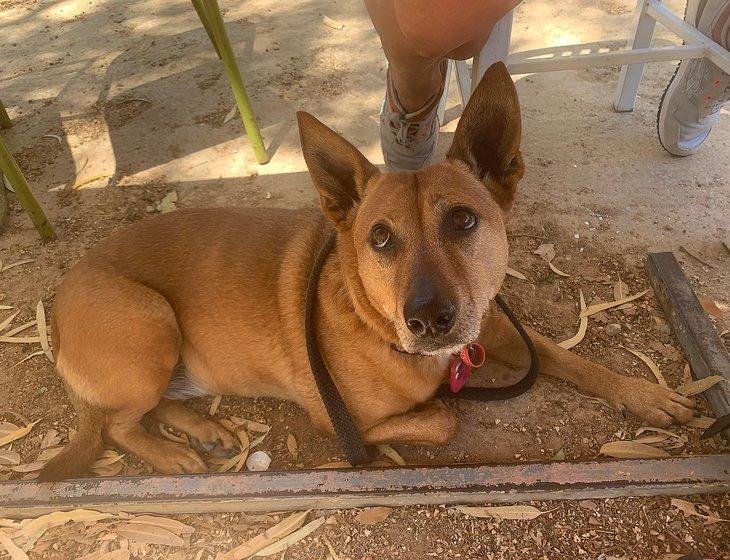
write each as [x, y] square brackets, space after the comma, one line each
[462, 219]
[379, 236]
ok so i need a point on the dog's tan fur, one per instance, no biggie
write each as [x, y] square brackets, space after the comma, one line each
[221, 291]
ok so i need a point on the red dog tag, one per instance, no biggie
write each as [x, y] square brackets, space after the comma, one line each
[470, 357]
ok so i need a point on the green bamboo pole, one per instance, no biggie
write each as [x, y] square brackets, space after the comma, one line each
[203, 15]
[4, 118]
[11, 170]
[223, 46]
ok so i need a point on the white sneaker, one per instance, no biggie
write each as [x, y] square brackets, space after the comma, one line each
[408, 139]
[691, 104]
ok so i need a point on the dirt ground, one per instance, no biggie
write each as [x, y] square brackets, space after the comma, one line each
[117, 104]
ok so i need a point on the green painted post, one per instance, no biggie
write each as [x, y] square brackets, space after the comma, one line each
[4, 118]
[218, 30]
[11, 170]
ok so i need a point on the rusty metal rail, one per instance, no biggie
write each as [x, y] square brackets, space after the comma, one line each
[329, 489]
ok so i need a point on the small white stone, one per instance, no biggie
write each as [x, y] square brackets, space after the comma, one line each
[258, 461]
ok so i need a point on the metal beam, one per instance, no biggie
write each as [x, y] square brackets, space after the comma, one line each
[344, 488]
[700, 342]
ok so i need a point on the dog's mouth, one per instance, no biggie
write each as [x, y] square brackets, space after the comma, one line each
[444, 350]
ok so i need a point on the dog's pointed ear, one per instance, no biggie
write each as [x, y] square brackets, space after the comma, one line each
[487, 138]
[338, 169]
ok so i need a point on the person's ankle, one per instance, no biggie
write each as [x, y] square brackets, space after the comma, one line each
[415, 95]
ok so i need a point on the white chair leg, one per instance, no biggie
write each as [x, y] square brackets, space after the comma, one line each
[463, 78]
[495, 49]
[441, 111]
[642, 31]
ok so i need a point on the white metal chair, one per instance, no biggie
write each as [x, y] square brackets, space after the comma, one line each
[638, 52]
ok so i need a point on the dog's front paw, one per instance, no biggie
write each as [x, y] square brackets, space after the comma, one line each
[659, 406]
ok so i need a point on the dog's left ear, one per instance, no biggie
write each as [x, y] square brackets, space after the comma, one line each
[338, 169]
[487, 138]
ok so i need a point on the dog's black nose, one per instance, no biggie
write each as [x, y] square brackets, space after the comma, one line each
[429, 317]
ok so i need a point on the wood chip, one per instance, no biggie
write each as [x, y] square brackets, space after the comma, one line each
[292, 446]
[651, 365]
[148, 534]
[273, 534]
[392, 454]
[291, 539]
[17, 434]
[699, 386]
[631, 449]
[40, 317]
[215, 404]
[582, 327]
[593, 309]
[373, 515]
[502, 512]
[330, 548]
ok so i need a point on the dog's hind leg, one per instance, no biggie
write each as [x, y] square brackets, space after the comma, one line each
[117, 344]
[209, 434]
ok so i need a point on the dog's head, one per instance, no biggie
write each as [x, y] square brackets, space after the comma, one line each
[427, 249]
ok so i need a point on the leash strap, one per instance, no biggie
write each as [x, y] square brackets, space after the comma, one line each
[340, 417]
[336, 409]
[501, 393]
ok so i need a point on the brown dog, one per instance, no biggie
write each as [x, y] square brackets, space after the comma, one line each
[140, 322]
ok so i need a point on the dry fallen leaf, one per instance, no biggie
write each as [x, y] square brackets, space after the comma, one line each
[282, 529]
[701, 422]
[557, 271]
[4, 324]
[631, 449]
[8, 457]
[651, 365]
[546, 251]
[392, 454]
[20, 339]
[17, 434]
[215, 404]
[171, 525]
[582, 327]
[250, 425]
[699, 386]
[291, 539]
[149, 534]
[34, 529]
[330, 548]
[689, 509]
[334, 465]
[40, 317]
[516, 274]
[712, 307]
[13, 265]
[292, 446]
[231, 114]
[373, 515]
[502, 512]
[593, 309]
[107, 458]
[15, 552]
[620, 289]
[559, 456]
[329, 22]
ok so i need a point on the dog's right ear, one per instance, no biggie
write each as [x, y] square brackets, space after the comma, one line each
[338, 169]
[487, 138]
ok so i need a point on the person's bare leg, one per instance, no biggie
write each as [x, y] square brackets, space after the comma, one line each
[417, 37]
[418, 34]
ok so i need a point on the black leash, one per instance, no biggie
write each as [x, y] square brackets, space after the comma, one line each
[342, 422]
